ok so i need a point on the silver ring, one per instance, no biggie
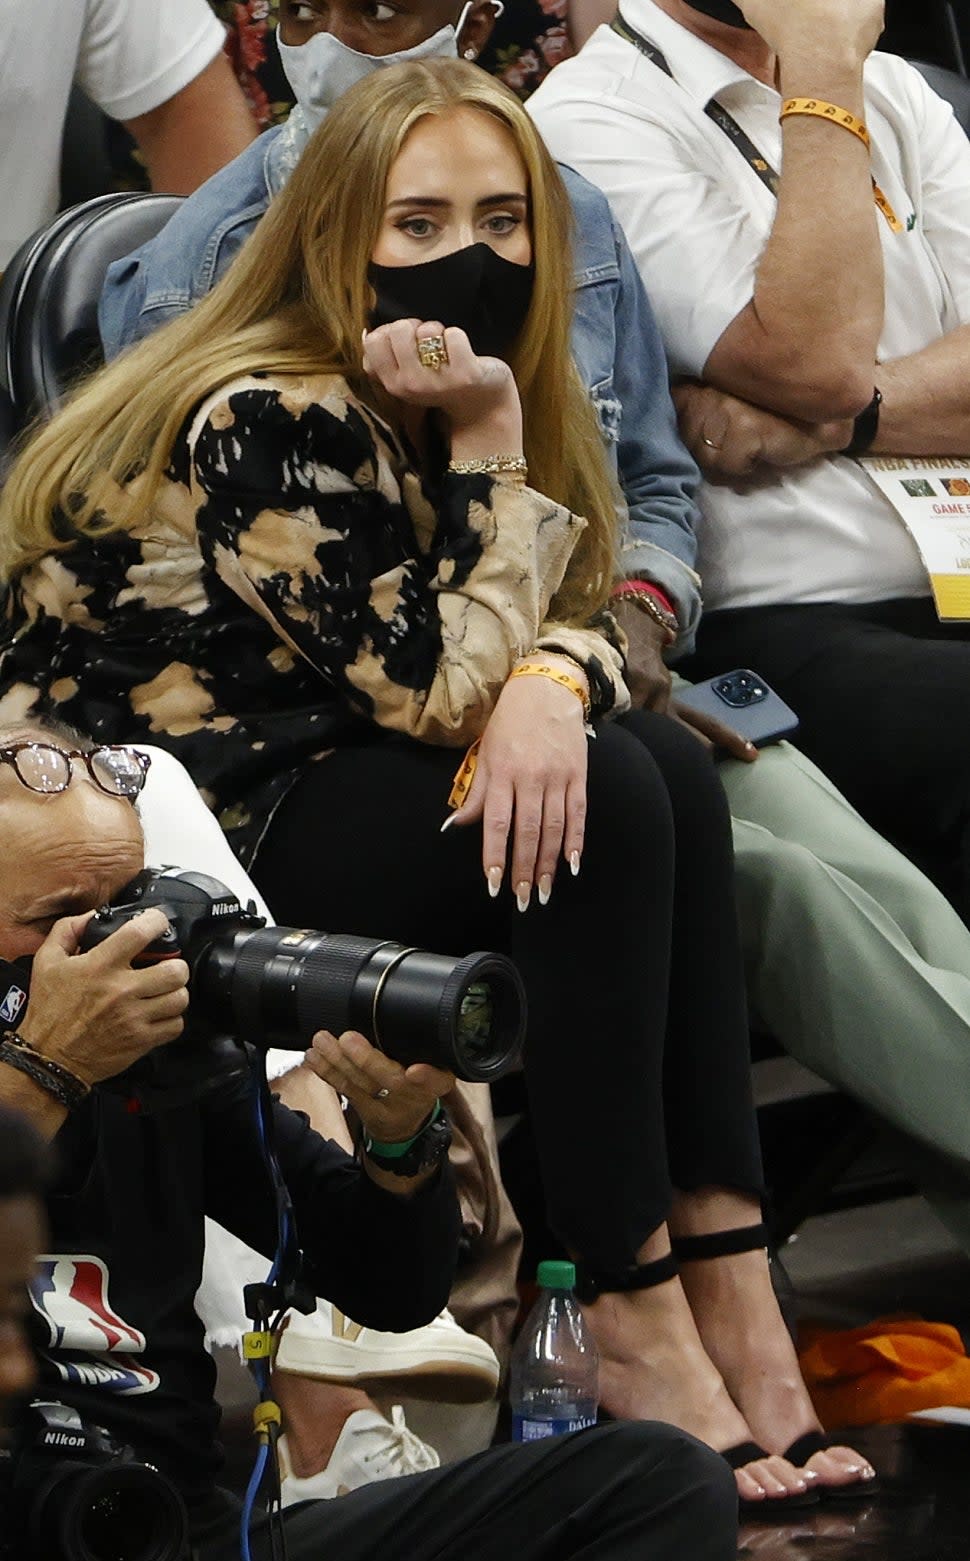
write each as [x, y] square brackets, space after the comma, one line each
[710, 443]
[382, 1094]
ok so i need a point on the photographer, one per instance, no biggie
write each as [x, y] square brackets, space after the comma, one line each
[21, 1234]
[114, 1324]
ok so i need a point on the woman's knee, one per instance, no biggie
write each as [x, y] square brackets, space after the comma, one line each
[628, 802]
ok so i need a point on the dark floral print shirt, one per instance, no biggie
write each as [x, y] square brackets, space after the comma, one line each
[295, 586]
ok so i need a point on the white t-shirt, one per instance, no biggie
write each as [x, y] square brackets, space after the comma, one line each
[130, 56]
[697, 217]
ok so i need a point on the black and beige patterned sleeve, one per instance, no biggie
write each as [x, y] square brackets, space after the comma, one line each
[416, 624]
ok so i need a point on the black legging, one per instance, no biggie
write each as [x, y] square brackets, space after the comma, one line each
[637, 1051]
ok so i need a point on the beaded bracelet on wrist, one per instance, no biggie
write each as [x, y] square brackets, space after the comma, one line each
[65, 1087]
[648, 604]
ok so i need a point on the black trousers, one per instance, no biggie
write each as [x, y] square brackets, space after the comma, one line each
[882, 691]
[633, 1492]
[637, 1053]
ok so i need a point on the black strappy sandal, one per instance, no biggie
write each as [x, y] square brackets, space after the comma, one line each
[591, 1283]
[849, 1495]
[749, 1238]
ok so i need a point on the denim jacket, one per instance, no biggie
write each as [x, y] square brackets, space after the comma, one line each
[616, 345]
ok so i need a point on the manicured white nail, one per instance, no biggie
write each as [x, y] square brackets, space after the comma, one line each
[574, 863]
[448, 822]
[544, 888]
[494, 876]
[522, 893]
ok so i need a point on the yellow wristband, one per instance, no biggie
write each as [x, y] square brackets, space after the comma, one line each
[462, 783]
[536, 669]
[829, 111]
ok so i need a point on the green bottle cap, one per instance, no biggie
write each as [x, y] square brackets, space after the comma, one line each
[556, 1275]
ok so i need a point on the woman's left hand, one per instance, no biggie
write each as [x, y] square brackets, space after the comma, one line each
[530, 779]
[392, 1102]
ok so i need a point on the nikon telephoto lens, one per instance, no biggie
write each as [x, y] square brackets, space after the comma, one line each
[280, 985]
[111, 1512]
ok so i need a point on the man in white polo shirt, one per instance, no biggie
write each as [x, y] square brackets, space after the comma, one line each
[793, 271]
[156, 65]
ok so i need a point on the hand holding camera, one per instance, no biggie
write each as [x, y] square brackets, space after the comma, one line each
[392, 1102]
[96, 1013]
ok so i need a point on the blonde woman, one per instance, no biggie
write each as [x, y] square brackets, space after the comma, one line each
[323, 533]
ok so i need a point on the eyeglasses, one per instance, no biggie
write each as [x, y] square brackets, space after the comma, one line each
[117, 770]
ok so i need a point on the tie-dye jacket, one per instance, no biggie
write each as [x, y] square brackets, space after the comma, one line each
[295, 586]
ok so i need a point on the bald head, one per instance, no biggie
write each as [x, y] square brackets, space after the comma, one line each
[60, 854]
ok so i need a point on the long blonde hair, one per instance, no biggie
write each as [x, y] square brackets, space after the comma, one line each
[297, 300]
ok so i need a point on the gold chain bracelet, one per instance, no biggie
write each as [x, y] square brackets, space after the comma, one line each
[492, 466]
[648, 604]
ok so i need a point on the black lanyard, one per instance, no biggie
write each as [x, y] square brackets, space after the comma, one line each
[713, 109]
[727, 122]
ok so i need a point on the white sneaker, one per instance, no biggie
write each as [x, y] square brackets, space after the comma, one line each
[440, 1361]
[368, 1448]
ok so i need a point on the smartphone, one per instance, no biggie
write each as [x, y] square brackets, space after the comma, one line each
[744, 701]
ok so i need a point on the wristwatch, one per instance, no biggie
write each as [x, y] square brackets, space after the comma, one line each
[414, 1155]
[865, 427]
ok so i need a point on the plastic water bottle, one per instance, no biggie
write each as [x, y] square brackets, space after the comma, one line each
[554, 1379]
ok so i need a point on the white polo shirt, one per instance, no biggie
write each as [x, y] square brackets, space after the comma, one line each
[697, 217]
[130, 56]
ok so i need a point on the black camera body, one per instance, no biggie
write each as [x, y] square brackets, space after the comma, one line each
[277, 986]
[69, 1492]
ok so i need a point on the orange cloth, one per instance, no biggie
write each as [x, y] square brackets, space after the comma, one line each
[880, 1373]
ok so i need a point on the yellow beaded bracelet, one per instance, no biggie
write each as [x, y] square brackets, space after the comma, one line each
[537, 669]
[830, 111]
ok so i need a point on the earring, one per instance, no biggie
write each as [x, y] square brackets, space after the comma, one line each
[471, 54]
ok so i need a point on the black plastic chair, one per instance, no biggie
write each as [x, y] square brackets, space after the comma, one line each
[8, 427]
[50, 291]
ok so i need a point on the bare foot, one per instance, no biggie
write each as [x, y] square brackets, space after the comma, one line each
[653, 1366]
[744, 1334]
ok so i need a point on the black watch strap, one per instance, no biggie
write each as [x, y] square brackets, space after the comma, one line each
[426, 1149]
[865, 427]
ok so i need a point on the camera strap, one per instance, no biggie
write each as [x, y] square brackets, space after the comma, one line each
[727, 123]
[265, 1305]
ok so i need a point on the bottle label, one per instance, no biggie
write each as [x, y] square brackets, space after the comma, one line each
[526, 1430]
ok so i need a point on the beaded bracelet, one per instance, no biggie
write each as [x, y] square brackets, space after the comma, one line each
[536, 669]
[67, 1089]
[647, 602]
[646, 588]
[830, 111]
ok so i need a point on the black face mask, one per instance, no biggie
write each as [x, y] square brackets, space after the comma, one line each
[475, 289]
[721, 11]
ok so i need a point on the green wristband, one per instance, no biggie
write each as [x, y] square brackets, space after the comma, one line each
[395, 1151]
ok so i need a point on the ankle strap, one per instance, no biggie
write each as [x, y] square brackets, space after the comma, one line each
[720, 1243]
[591, 1282]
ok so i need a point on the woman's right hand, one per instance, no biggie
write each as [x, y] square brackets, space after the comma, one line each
[478, 396]
[530, 780]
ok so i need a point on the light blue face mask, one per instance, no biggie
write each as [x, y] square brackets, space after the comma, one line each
[321, 70]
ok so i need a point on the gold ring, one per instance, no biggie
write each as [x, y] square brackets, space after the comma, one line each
[710, 443]
[432, 351]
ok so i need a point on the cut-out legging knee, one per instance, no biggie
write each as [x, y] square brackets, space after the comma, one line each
[637, 1052]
